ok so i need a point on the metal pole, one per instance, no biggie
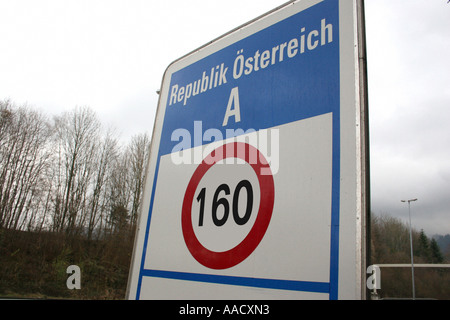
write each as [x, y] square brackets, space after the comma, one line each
[365, 146]
[412, 259]
[411, 242]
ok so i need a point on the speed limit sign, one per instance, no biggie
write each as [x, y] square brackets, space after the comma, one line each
[235, 209]
[254, 186]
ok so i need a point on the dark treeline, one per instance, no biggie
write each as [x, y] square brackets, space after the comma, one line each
[66, 182]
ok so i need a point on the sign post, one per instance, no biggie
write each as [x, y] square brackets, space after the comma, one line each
[255, 186]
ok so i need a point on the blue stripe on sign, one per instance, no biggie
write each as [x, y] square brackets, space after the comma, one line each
[307, 286]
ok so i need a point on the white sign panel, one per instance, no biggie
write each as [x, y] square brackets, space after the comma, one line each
[252, 185]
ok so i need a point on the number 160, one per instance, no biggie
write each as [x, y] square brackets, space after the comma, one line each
[217, 202]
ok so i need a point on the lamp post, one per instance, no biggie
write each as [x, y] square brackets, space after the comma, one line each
[411, 242]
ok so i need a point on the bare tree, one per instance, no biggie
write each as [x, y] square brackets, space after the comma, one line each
[24, 160]
[77, 136]
[126, 184]
[119, 194]
[107, 156]
[138, 151]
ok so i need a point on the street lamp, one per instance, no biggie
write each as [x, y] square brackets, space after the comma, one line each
[410, 240]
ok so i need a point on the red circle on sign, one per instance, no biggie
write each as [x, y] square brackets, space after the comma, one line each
[234, 256]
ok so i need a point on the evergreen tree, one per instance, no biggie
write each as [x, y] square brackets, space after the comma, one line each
[423, 249]
[436, 255]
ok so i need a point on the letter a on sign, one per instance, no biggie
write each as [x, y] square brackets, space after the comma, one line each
[236, 112]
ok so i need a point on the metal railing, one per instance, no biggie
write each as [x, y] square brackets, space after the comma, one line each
[376, 275]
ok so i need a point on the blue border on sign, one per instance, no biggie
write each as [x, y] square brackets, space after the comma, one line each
[330, 287]
[305, 286]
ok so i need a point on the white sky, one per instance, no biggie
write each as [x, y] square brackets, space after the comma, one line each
[111, 55]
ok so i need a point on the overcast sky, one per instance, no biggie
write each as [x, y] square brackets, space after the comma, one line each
[111, 55]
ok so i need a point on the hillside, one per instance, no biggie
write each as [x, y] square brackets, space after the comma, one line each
[391, 245]
[444, 244]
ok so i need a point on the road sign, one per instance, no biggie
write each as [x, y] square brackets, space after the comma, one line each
[218, 259]
[255, 180]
